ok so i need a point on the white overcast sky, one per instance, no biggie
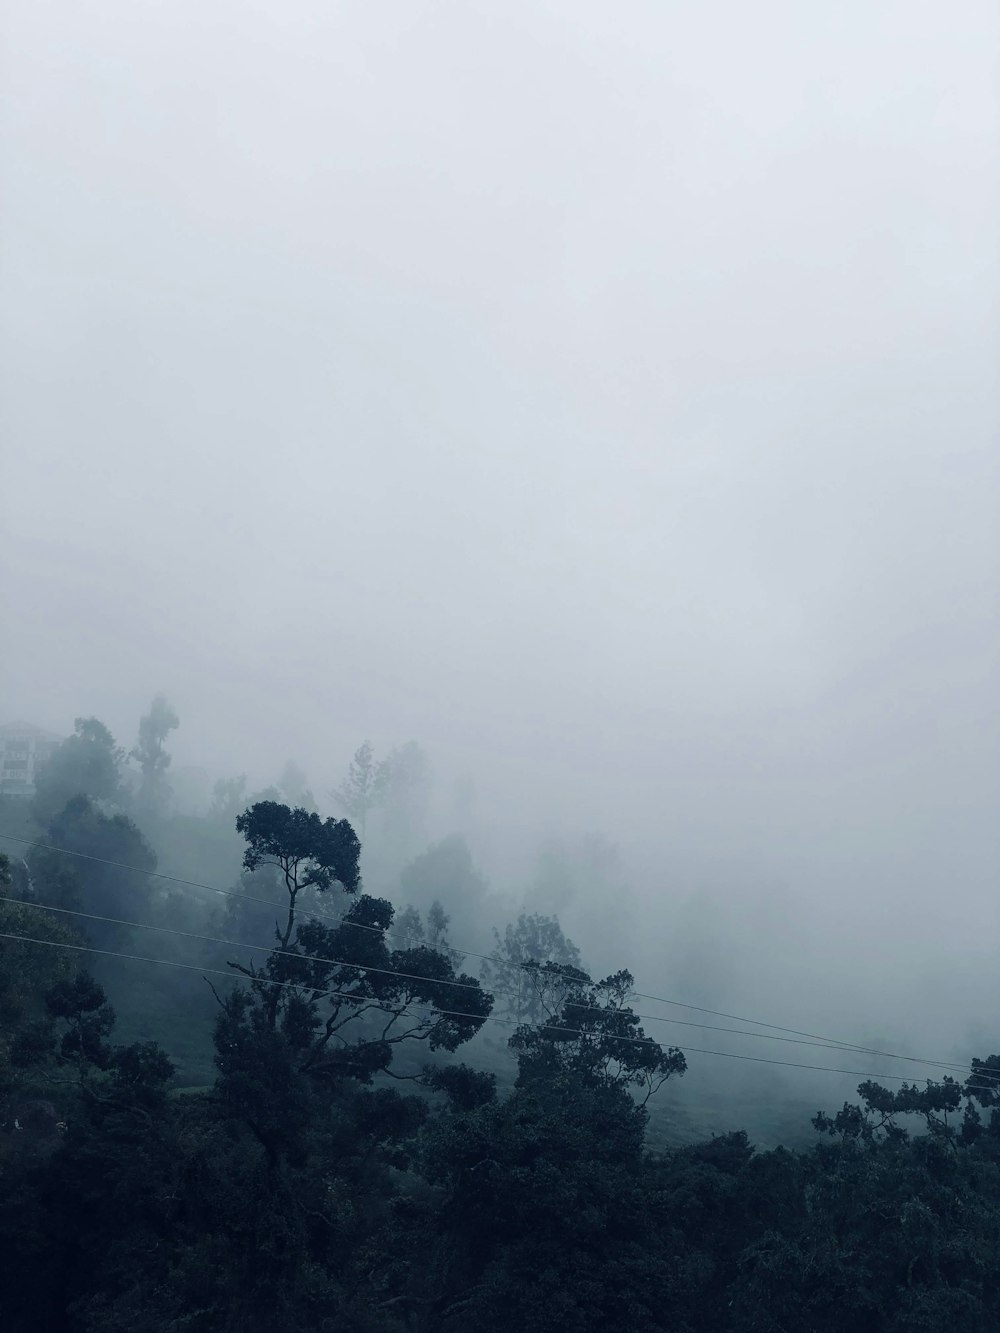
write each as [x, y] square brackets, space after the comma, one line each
[604, 394]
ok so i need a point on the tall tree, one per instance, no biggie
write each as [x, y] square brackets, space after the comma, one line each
[88, 763]
[596, 1038]
[446, 874]
[407, 793]
[546, 1222]
[294, 786]
[336, 999]
[364, 787]
[102, 867]
[27, 971]
[531, 966]
[410, 930]
[229, 797]
[151, 755]
[309, 852]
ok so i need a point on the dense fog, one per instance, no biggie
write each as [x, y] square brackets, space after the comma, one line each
[604, 400]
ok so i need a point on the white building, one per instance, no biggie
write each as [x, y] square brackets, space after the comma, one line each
[23, 750]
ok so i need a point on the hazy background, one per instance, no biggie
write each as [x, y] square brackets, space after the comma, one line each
[604, 395]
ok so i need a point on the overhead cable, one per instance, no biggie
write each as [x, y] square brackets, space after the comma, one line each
[553, 1029]
[475, 985]
[832, 1043]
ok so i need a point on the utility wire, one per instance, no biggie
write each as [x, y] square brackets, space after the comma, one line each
[176, 879]
[830, 1043]
[834, 1042]
[225, 893]
[475, 985]
[645, 1042]
[320, 992]
[259, 948]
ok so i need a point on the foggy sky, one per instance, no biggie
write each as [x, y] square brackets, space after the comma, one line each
[604, 395]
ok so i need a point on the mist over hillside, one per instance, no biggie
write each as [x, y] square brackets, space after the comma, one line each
[763, 986]
[540, 461]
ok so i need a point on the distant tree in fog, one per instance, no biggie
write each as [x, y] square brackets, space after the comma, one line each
[583, 868]
[409, 931]
[445, 876]
[251, 913]
[26, 973]
[228, 799]
[108, 876]
[464, 797]
[407, 793]
[295, 787]
[151, 755]
[437, 926]
[532, 967]
[364, 788]
[582, 879]
[88, 763]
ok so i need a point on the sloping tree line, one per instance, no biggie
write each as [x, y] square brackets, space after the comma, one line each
[346, 1171]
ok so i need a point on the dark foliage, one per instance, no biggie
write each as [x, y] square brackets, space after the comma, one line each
[305, 1190]
[104, 870]
[88, 763]
[310, 852]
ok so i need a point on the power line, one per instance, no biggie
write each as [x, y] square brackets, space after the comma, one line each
[172, 879]
[225, 893]
[834, 1042]
[475, 985]
[645, 1042]
[319, 991]
[802, 1039]
[259, 948]
[812, 1038]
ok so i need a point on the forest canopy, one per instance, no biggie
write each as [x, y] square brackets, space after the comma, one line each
[320, 1137]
